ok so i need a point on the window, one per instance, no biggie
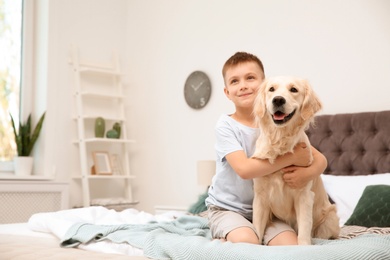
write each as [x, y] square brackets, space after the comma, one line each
[10, 67]
[16, 24]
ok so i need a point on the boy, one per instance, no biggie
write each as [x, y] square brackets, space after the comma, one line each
[230, 196]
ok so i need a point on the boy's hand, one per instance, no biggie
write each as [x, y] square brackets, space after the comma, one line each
[296, 177]
[302, 155]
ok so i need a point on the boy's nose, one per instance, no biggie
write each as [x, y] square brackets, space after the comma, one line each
[243, 85]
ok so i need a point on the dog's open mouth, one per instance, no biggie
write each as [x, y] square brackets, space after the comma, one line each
[281, 118]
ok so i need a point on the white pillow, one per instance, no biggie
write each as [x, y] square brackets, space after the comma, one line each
[346, 191]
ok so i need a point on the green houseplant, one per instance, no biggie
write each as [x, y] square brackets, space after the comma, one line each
[25, 141]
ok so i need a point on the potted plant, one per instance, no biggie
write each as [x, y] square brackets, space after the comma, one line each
[25, 141]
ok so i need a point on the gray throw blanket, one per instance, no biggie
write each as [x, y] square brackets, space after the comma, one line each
[189, 237]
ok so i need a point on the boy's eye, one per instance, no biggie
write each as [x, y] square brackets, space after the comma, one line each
[233, 81]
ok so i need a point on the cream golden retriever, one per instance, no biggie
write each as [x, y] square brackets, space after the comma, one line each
[284, 108]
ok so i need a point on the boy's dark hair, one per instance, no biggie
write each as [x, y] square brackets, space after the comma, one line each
[241, 57]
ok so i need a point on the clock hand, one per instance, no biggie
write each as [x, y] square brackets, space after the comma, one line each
[198, 86]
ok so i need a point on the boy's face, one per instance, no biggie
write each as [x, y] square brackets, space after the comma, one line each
[242, 82]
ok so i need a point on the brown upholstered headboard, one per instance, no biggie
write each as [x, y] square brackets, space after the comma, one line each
[354, 144]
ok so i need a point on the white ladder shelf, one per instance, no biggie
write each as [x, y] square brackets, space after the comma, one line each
[91, 101]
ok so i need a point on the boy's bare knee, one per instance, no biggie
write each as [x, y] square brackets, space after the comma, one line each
[242, 235]
[286, 238]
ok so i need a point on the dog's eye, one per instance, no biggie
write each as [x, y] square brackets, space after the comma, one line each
[294, 90]
[271, 89]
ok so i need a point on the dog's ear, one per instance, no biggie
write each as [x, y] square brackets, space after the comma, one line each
[259, 106]
[311, 103]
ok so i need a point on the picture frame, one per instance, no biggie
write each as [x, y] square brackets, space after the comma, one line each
[116, 164]
[102, 163]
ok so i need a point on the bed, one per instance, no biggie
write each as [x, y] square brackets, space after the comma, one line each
[357, 179]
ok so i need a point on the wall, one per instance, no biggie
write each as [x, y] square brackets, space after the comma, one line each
[97, 27]
[341, 47]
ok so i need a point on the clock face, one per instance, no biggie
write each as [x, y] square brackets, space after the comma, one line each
[197, 90]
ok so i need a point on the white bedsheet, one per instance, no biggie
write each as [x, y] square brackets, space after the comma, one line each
[57, 223]
[22, 229]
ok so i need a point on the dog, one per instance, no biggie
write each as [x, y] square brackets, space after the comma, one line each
[284, 108]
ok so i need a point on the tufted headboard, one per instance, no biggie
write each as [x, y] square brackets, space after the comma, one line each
[354, 144]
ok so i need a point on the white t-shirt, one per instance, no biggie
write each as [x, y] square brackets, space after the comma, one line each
[228, 190]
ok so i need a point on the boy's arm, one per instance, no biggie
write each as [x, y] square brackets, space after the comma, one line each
[298, 177]
[248, 168]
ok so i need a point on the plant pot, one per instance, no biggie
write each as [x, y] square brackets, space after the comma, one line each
[23, 165]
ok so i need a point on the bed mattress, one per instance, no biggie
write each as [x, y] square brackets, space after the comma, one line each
[19, 242]
[42, 248]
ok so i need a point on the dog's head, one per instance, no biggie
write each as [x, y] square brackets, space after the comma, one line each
[285, 99]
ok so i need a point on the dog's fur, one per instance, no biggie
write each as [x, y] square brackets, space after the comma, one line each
[284, 108]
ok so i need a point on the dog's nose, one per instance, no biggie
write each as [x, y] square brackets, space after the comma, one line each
[278, 101]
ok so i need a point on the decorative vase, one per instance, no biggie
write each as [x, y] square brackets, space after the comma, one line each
[117, 127]
[100, 127]
[113, 134]
[23, 165]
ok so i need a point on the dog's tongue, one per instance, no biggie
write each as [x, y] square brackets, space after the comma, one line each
[279, 116]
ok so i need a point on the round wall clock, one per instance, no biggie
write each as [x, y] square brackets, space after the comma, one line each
[197, 90]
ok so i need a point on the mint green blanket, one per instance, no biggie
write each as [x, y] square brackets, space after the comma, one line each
[188, 237]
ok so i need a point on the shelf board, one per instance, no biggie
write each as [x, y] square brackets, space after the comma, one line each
[105, 140]
[113, 202]
[97, 68]
[101, 95]
[93, 117]
[109, 140]
[116, 204]
[105, 177]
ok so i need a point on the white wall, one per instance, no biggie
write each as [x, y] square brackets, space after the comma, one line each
[97, 27]
[342, 47]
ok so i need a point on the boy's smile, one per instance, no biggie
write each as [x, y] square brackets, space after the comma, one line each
[245, 94]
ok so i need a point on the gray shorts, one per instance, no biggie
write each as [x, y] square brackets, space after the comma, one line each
[222, 221]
